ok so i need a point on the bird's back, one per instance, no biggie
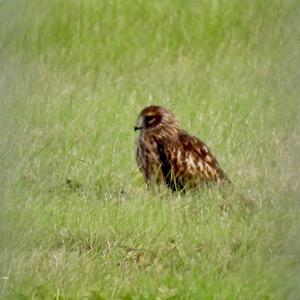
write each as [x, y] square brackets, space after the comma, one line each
[187, 161]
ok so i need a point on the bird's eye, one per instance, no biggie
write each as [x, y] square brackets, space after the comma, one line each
[150, 120]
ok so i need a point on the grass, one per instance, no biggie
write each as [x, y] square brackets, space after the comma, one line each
[76, 219]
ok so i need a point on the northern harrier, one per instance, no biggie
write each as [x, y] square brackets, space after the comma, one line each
[167, 154]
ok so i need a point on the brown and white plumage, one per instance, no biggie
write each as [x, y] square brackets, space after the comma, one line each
[167, 154]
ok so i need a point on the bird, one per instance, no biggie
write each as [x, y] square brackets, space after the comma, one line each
[166, 154]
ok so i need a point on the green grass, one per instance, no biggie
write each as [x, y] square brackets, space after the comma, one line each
[77, 221]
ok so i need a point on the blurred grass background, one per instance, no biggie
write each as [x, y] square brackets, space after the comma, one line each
[76, 219]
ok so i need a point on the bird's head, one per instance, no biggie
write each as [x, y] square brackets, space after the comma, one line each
[155, 117]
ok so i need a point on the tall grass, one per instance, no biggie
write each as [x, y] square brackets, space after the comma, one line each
[76, 219]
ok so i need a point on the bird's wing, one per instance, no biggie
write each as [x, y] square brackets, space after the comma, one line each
[168, 165]
[186, 159]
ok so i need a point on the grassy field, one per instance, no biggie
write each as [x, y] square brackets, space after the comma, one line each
[76, 219]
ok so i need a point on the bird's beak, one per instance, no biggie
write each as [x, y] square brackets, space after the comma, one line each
[139, 124]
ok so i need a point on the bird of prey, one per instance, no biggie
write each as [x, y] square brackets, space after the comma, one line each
[167, 154]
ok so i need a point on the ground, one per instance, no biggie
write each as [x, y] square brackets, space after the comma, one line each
[77, 221]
